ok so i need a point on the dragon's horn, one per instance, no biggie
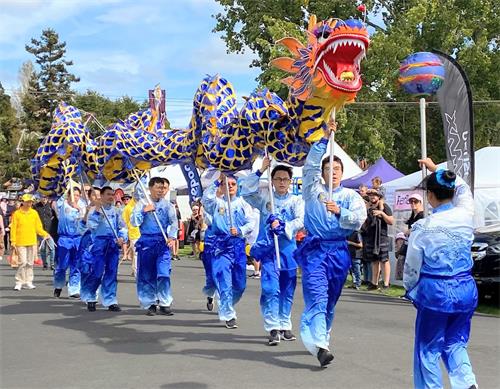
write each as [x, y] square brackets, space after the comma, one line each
[284, 63]
[291, 44]
[312, 22]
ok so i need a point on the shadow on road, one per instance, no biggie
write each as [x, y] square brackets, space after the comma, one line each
[132, 332]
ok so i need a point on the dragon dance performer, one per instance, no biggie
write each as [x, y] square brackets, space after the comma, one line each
[438, 280]
[100, 260]
[153, 253]
[324, 255]
[70, 213]
[278, 285]
[229, 257]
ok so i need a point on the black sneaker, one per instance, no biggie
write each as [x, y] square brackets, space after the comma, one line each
[325, 357]
[165, 311]
[114, 308]
[372, 287]
[287, 335]
[231, 324]
[52, 267]
[57, 293]
[91, 306]
[151, 310]
[274, 338]
[75, 296]
[386, 287]
[210, 303]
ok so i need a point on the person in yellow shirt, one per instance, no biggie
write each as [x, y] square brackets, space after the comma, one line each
[24, 228]
[133, 232]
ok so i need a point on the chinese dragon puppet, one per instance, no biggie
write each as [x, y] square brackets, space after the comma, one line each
[324, 73]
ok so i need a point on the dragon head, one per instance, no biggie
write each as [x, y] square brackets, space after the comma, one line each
[329, 66]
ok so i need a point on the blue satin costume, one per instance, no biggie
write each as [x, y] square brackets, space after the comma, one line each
[229, 257]
[438, 280]
[324, 256]
[278, 285]
[70, 230]
[99, 262]
[153, 255]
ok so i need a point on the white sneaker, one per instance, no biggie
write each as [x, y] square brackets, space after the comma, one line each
[18, 287]
[29, 286]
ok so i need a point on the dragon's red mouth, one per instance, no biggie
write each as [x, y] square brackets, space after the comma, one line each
[338, 60]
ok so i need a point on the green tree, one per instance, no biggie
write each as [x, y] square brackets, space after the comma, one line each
[466, 29]
[105, 110]
[53, 81]
[11, 163]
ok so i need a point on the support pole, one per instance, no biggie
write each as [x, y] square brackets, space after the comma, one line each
[330, 165]
[423, 147]
[271, 198]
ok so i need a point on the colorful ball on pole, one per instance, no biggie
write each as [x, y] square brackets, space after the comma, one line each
[421, 74]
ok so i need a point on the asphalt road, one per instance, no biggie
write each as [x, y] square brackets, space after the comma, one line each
[50, 343]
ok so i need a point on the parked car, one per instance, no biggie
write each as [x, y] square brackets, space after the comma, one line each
[486, 256]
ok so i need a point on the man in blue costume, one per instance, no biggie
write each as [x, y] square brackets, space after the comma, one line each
[229, 257]
[438, 280]
[324, 255]
[278, 285]
[100, 260]
[153, 253]
[70, 213]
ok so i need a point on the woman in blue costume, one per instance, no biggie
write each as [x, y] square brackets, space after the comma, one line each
[438, 280]
[278, 285]
[324, 255]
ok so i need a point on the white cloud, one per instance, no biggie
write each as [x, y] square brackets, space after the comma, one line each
[213, 58]
[18, 18]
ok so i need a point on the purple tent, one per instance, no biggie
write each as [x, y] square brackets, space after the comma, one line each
[381, 168]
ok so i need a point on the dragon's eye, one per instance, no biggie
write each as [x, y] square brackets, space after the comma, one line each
[323, 32]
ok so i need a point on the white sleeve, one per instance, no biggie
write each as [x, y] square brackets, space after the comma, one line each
[414, 258]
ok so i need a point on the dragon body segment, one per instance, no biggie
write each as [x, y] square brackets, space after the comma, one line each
[325, 75]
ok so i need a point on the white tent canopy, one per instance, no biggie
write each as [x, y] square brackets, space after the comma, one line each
[486, 185]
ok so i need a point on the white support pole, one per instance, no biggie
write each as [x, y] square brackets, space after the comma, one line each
[330, 165]
[423, 147]
[228, 199]
[271, 198]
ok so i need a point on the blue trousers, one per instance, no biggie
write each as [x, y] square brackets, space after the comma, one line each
[99, 267]
[47, 253]
[66, 252]
[153, 271]
[207, 259]
[442, 335]
[229, 274]
[356, 271]
[325, 265]
[276, 299]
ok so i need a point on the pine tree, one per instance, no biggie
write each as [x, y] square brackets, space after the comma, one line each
[53, 81]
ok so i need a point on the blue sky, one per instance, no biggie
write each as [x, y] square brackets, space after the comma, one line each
[125, 47]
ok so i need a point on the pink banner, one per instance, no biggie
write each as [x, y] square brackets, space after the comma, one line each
[401, 198]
